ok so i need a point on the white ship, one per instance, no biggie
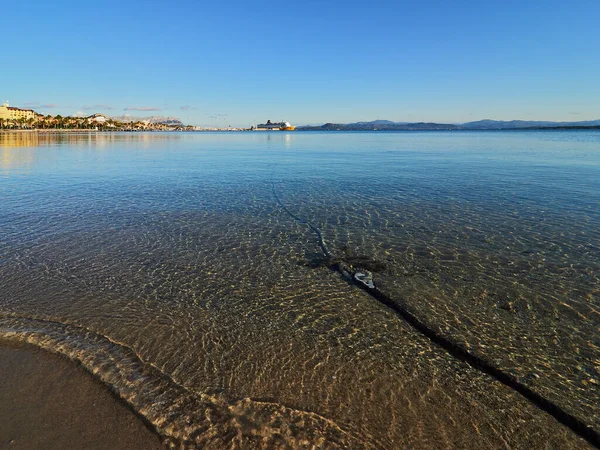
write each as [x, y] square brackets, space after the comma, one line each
[283, 126]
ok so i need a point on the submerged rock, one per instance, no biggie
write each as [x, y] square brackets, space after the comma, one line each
[365, 277]
[361, 276]
[346, 270]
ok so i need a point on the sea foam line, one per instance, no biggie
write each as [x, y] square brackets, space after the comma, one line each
[184, 417]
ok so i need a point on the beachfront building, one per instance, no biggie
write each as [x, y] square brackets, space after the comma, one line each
[11, 113]
[96, 118]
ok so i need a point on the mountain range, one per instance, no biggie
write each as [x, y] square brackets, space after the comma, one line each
[487, 124]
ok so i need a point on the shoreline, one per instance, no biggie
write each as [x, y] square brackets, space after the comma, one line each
[91, 130]
[301, 130]
[50, 402]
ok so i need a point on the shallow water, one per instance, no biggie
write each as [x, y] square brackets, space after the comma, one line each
[167, 265]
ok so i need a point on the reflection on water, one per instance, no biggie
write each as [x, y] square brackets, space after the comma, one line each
[79, 138]
[164, 264]
[11, 159]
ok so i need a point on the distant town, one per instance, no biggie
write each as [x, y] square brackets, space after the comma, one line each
[12, 118]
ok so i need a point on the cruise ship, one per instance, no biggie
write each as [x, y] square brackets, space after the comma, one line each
[283, 126]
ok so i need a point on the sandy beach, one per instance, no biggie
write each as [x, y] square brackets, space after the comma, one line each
[48, 402]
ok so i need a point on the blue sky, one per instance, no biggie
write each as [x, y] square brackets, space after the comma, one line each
[237, 63]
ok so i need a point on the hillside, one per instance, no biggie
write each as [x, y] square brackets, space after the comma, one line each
[380, 125]
[487, 124]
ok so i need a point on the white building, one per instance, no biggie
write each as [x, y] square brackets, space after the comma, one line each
[96, 118]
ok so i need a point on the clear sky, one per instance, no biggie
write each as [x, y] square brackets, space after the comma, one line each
[242, 62]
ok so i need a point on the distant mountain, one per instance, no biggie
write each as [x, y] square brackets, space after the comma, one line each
[152, 119]
[487, 124]
[377, 122]
[380, 125]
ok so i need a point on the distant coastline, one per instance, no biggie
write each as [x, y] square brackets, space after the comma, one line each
[481, 125]
[118, 130]
[192, 129]
[16, 119]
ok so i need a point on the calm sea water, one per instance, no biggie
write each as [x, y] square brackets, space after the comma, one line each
[167, 265]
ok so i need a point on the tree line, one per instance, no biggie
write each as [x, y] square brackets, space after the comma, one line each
[79, 123]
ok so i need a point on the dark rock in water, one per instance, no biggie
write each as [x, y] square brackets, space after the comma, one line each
[348, 268]
[316, 261]
[345, 270]
[319, 260]
[366, 262]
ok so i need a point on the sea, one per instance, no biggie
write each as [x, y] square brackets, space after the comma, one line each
[196, 275]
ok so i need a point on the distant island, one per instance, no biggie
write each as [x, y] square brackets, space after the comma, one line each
[487, 124]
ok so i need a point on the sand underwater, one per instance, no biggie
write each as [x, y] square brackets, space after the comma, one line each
[188, 287]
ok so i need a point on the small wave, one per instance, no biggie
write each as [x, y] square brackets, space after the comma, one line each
[183, 417]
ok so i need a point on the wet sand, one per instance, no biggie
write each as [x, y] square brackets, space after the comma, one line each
[49, 402]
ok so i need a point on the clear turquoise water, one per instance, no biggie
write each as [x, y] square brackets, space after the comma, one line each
[165, 264]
